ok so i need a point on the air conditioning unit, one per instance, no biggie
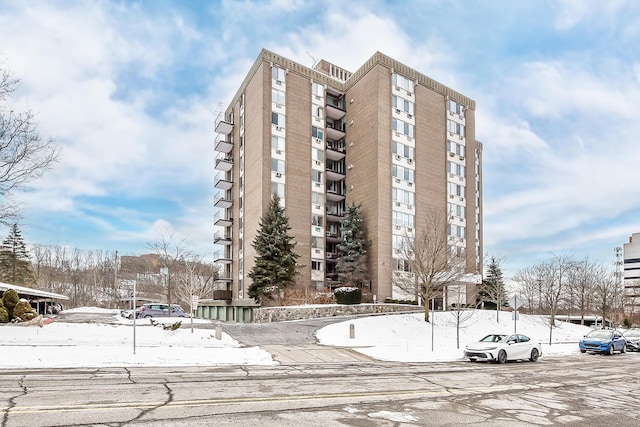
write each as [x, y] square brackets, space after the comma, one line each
[278, 152]
[409, 161]
[459, 136]
[397, 157]
[410, 206]
[452, 154]
[409, 115]
[397, 227]
[451, 196]
[398, 110]
[278, 175]
[461, 157]
[397, 203]
[410, 184]
[451, 113]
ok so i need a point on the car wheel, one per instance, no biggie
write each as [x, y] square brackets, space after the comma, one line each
[611, 349]
[583, 351]
[624, 349]
[502, 356]
[534, 355]
[147, 316]
[130, 317]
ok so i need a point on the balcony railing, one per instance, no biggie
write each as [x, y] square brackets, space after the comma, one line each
[222, 125]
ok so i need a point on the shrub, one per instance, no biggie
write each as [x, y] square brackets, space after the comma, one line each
[626, 322]
[348, 295]
[10, 298]
[23, 311]
[4, 315]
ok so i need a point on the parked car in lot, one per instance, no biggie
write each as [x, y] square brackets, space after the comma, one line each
[161, 310]
[632, 336]
[604, 341]
[502, 347]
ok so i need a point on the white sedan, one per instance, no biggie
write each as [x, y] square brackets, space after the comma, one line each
[500, 348]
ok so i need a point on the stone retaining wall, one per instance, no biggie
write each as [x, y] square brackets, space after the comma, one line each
[279, 314]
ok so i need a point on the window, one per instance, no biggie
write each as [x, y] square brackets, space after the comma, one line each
[402, 82]
[456, 210]
[402, 173]
[317, 242]
[454, 107]
[317, 198]
[456, 190]
[277, 166]
[317, 89]
[277, 119]
[277, 96]
[455, 148]
[402, 104]
[400, 242]
[403, 196]
[278, 74]
[277, 142]
[402, 127]
[401, 149]
[317, 220]
[402, 219]
[316, 176]
[455, 168]
[402, 265]
[317, 154]
[456, 230]
[454, 127]
[316, 265]
[277, 188]
[316, 132]
[316, 110]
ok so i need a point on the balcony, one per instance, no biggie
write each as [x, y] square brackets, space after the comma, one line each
[220, 294]
[333, 175]
[222, 260]
[224, 163]
[223, 202]
[222, 144]
[335, 131]
[335, 151]
[333, 238]
[335, 112]
[221, 220]
[334, 196]
[222, 126]
[223, 184]
[221, 239]
[333, 215]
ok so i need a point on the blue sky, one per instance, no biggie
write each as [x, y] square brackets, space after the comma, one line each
[129, 91]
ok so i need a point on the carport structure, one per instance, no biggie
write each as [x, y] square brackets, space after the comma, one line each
[34, 296]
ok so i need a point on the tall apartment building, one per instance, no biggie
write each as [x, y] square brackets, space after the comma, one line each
[385, 136]
[631, 273]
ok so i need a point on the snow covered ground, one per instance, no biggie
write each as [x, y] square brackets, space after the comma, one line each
[403, 337]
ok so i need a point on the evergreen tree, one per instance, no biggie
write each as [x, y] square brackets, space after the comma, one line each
[275, 263]
[15, 263]
[352, 249]
[493, 290]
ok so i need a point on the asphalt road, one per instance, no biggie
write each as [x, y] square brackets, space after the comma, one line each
[576, 390]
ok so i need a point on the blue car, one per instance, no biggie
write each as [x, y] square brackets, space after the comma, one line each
[603, 341]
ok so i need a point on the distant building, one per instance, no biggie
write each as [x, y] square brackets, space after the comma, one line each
[384, 136]
[631, 273]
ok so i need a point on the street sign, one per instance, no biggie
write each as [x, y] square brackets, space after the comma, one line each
[194, 301]
[515, 302]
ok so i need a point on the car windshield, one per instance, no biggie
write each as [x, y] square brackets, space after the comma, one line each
[600, 334]
[632, 333]
[494, 338]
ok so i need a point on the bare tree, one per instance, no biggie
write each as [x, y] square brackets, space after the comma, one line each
[195, 279]
[529, 282]
[434, 259]
[554, 276]
[605, 290]
[24, 155]
[461, 310]
[581, 286]
[171, 250]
